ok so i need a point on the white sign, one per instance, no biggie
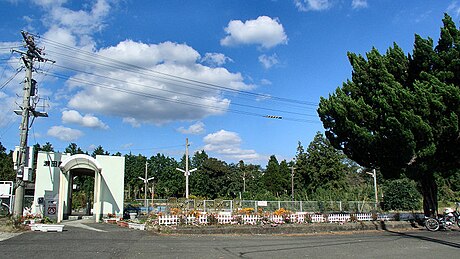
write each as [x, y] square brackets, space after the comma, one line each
[6, 189]
[262, 203]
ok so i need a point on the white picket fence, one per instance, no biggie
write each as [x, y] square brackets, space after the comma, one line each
[300, 217]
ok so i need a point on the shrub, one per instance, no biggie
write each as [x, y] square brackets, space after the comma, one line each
[401, 194]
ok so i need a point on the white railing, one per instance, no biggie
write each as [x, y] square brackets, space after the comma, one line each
[338, 217]
[300, 217]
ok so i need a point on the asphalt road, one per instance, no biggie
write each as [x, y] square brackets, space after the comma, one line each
[110, 241]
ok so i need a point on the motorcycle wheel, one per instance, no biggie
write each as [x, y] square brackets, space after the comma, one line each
[432, 224]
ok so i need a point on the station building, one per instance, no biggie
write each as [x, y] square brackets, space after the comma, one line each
[55, 173]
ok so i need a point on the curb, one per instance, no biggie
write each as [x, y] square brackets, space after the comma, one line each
[286, 228]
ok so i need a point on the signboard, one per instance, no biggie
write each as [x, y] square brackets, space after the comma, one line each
[6, 189]
[51, 208]
[262, 203]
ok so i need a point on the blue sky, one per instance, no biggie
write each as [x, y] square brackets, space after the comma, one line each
[141, 76]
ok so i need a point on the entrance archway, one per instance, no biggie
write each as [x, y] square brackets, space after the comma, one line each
[74, 165]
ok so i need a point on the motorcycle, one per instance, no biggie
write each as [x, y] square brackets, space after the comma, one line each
[448, 219]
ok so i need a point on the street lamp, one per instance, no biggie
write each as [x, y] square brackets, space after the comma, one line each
[186, 173]
[145, 189]
[374, 174]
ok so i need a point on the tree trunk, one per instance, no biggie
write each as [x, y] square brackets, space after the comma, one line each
[430, 194]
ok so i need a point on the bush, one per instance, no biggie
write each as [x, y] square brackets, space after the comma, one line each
[401, 194]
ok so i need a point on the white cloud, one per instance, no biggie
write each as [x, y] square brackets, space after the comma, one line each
[64, 133]
[313, 5]
[5, 47]
[358, 4]
[141, 96]
[7, 105]
[138, 96]
[263, 31]
[92, 147]
[195, 129]
[454, 8]
[268, 61]
[88, 120]
[215, 59]
[132, 121]
[228, 145]
[79, 22]
[49, 3]
[265, 81]
[127, 145]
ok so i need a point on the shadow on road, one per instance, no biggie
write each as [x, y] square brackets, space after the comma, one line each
[424, 238]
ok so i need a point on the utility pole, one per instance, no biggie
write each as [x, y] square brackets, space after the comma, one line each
[33, 54]
[186, 171]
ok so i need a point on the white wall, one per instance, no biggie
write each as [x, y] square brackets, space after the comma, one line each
[47, 181]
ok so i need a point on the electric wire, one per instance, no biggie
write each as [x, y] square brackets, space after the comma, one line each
[94, 59]
[183, 94]
[182, 79]
[234, 103]
[158, 97]
[185, 85]
[11, 78]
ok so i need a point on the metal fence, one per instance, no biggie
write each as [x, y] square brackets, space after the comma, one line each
[7, 204]
[164, 205]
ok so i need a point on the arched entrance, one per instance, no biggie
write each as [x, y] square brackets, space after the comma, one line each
[73, 166]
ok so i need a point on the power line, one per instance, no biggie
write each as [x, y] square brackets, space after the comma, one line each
[184, 94]
[158, 97]
[11, 78]
[166, 75]
[185, 85]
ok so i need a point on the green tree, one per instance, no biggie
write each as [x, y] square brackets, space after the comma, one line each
[134, 167]
[99, 150]
[400, 113]
[73, 149]
[325, 166]
[401, 194]
[48, 147]
[6, 165]
[168, 181]
[276, 177]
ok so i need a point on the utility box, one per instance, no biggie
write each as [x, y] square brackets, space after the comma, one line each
[29, 159]
[28, 174]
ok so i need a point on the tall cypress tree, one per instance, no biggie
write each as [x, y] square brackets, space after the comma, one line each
[400, 113]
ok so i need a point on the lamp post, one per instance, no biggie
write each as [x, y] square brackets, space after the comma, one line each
[186, 171]
[292, 181]
[146, 180]
[374, 174]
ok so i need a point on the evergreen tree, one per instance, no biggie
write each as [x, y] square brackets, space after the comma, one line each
[324, 166]
[275, 178]
[6, 165]
[400, 114]
[73, 149]
[99, 150]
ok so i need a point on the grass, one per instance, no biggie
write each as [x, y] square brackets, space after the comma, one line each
[7, 224]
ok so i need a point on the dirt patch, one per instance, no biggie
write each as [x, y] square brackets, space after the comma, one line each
[7, 226]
